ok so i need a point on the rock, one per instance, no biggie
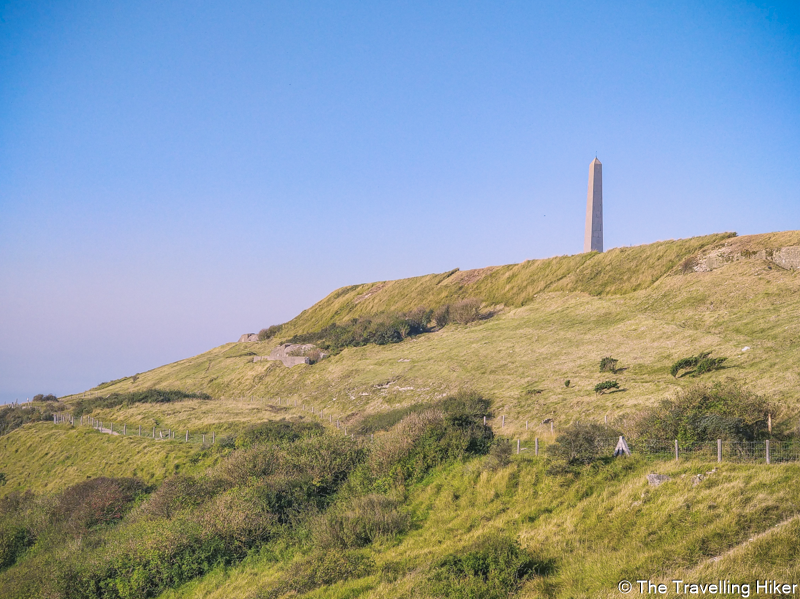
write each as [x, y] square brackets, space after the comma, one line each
[248, 338]
[656, 479]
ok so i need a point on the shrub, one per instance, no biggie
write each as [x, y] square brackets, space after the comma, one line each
[583, 443]
[322, 568]
[48, 397]
[14, 540]
[567, 383]
[493, 568]
[442, 315]
[465, 311]
[608, 364]
[95, 502]
[499, 455]
[114, 400]
[701, 363]
[277, 431]
[269, 332]
[382, 421]
[360, 522]
[381, 329]
[178, 493]
[724, 410]
[450, 431]
[12, 417]
[605, 386]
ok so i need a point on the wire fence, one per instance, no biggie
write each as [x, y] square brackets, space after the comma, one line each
[769, 451]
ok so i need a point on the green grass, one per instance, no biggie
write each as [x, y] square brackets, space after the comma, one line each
[606, 525]
[43, 457]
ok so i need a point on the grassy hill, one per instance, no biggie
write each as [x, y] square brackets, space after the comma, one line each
[554, 320]
[545, 322]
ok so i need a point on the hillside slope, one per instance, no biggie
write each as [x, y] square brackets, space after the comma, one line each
[646, 306]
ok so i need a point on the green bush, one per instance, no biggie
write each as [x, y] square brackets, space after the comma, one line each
[608, 364]
[442, 315]
[382, 421]
[605, 386]
[360, 521]
[494, 568]
[381, 329]
[452, 430]
[567, 383]
[14, 540]
[96, 502]
[114, 400]
[724, 410]
[499, 455]
[582, 443]
[465, 311]
[701, 363]
[277, 431]
[322, 568]
[48, 397]
[269, 332]
[13, 417]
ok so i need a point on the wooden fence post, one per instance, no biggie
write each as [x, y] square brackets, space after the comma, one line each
[213, 437]
[536, 447]
[503, 423]
[111, 429]
[124, 429]
[204, 438]
[551, 426]
[484, 421]
[187, 436]
[767, 442]
[154, 432]
[526, 425]
[517, 446]
[676, 449]
[140, 430]
[719, 450]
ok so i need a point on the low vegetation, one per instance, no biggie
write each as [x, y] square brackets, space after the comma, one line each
[696, 365]
[605, 386]
[382, 329]
[13, 416]
[608, 364]
[113, 400]
[279, 480]
[724, 410]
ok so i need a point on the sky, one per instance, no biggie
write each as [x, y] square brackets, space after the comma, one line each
[175, 174]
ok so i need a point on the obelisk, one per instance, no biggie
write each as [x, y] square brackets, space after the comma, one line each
[593, 239]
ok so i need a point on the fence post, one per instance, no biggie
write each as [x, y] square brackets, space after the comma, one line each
[719, 450]
[154, 432]
[526, 425]
[676, 449]
[204, 438]
[484, 421]
[517, 446]
[187, 436]
[213, 437]
[124, 429]
[536, 447]
[767, 442]
[111, 429]
[551, 426]
[330, 418]
[140, 430]
[504, 421]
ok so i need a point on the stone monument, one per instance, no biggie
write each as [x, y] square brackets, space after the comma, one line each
[593, 238]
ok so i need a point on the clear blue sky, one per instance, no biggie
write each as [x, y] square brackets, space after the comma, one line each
[174, 174]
